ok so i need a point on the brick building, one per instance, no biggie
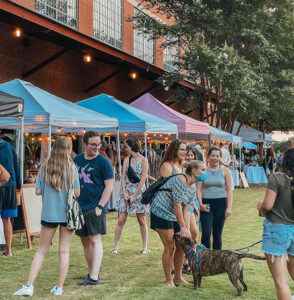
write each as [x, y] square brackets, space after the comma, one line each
[56, 35]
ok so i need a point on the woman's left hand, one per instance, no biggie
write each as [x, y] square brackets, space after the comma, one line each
[196, 212]
[228, 212]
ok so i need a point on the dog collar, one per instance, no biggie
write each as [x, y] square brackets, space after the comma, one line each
[191, 252]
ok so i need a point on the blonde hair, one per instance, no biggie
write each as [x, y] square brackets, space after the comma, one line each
[59, 165]
[194, 164]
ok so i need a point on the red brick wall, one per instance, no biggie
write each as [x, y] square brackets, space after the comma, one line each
[85, 24]
[30, 4]
[128, 31]
[85, 16]
[68, 76]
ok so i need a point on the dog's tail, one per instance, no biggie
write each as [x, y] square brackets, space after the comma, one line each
[247, 255]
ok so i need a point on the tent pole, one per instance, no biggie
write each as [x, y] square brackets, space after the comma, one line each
[177, 135]
[21, 149]
[240, 157]
[49, 136]
[209, 140]
[118, 151]
[145, 138]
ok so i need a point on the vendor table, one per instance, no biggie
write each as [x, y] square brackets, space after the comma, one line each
[255, 174]
[235, 177]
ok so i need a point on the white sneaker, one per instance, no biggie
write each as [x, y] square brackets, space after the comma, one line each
[56, 291]
[25, 291]
[292, 297]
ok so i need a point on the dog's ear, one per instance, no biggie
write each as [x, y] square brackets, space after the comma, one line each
[177, 237]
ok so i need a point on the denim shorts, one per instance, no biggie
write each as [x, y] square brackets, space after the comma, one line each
[277, 239]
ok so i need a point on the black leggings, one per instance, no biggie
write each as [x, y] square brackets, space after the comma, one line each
[213, 222]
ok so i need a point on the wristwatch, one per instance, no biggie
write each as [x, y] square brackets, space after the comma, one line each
[100, 206]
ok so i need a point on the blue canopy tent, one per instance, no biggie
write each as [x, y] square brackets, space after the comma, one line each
[249, 145]
[130, 119]
[44, 112]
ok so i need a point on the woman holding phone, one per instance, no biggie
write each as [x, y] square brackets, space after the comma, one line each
[131, 193]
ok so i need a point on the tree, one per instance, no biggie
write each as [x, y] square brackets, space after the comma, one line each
[238, 53]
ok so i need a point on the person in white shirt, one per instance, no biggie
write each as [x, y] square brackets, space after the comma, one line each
[226, 157]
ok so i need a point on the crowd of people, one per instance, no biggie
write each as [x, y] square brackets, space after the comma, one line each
[194, 191]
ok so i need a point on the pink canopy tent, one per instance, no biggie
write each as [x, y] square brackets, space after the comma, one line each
[185, 124]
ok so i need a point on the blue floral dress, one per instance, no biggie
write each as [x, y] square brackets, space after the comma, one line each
[137, 207]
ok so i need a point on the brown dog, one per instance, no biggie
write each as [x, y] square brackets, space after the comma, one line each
[212, 262]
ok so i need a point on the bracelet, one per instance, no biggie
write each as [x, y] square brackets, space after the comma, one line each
[100, 206]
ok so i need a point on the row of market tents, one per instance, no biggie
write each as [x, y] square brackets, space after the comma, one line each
[44, 112]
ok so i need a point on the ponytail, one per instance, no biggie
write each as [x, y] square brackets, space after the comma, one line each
[194, 164]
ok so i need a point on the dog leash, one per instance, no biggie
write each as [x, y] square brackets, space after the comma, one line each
[247, 248]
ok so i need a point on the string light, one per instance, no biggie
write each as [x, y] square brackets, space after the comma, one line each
[17, 32]
[125, 134]
[87, 58]
[133, 75]
[84, 131]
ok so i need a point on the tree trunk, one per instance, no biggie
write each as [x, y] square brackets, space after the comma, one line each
[239, 128]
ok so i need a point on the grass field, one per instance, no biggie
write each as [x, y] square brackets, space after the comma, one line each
[130, 275]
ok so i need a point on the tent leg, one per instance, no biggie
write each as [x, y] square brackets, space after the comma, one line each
[118, 151]
[240, 158]
[145, 138]
[21, 149]
[49, 136]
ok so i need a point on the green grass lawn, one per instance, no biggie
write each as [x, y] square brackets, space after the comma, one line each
[130, 275]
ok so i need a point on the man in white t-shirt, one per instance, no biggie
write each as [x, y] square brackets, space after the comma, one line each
[226, 157]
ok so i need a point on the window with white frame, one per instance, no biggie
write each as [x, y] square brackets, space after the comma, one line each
[143, 45]
[63, 11]
[170, 57]
[108, 21]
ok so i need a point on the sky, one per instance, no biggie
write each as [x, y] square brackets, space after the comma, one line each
[282, 136]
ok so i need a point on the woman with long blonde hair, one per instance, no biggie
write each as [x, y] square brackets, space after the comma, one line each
[57, 174]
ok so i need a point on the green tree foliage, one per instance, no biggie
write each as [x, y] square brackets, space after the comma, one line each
[239, 53]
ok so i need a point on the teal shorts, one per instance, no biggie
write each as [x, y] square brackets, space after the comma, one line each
[277, 239]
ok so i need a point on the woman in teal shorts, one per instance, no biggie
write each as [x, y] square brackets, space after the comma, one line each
[278, 226]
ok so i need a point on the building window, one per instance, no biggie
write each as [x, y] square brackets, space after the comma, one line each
[170, 57]
[63, 11]
[143, 45]
[108, 22]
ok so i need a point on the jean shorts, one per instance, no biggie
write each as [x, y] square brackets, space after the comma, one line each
[277, 239]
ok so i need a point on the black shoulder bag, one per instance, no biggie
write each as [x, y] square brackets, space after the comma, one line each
[133, 177]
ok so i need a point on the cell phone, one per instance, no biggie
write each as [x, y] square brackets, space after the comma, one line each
[129, 201]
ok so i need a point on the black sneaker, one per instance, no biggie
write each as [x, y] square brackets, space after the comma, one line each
[85, 277]
[2, 247]
[89, 281]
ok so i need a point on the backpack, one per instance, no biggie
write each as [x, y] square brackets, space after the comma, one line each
[153, 189]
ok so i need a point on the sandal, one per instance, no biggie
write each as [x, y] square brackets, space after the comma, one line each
[145, 252]
[114, 251]
[186, 269]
